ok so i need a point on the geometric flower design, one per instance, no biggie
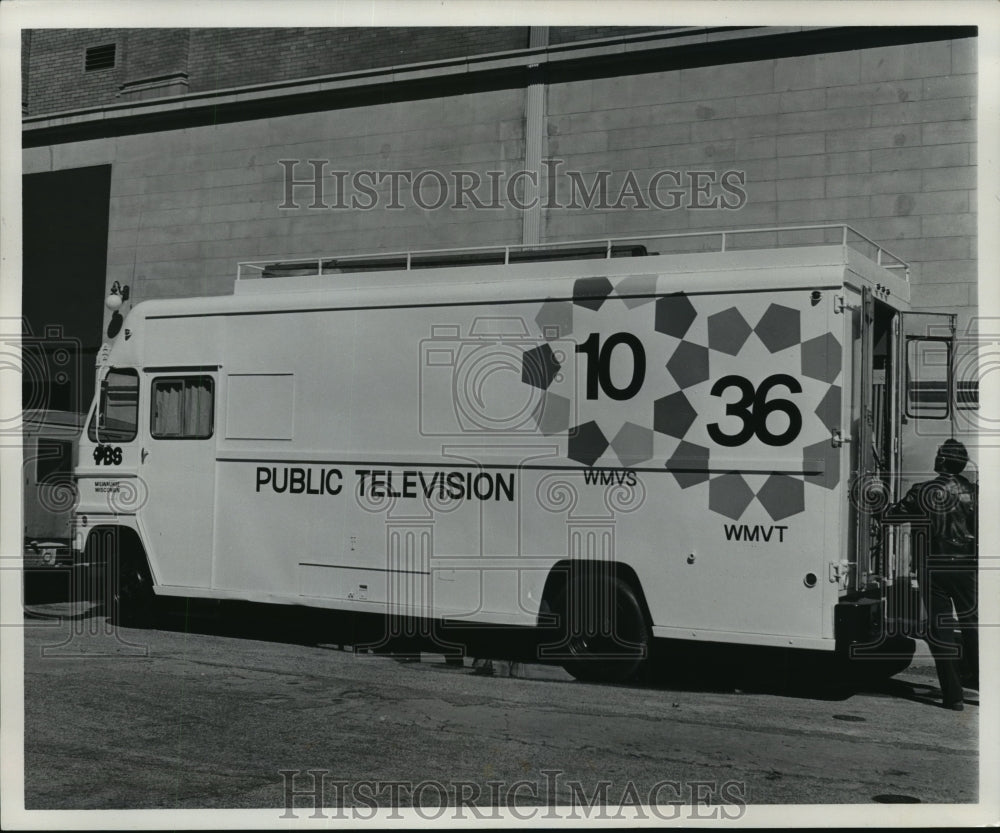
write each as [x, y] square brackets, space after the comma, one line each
[778, 329]
[691, 362]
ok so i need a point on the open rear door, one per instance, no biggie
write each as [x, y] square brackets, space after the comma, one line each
[925, 355]
[861, 308]
[925, 397]
[902, 408]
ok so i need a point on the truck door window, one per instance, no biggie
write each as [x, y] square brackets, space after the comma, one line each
[182, 408]
[117, 416]
[928, 364]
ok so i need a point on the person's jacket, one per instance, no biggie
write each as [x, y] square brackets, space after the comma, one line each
[948, 505]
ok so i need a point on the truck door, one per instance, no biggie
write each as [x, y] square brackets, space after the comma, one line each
[106, 475]
[864, 460]
[924, 348]
[177, 468]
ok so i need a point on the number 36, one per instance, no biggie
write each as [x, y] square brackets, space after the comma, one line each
[753, 409]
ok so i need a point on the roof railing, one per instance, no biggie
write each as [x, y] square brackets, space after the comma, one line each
[631, 246]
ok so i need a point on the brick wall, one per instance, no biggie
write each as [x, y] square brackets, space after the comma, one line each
[572, 34]
[223, 58]
[229, 58]
[155, 52]
[25, 57]
[56, 78]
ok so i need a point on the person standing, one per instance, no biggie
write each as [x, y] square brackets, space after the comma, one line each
[943, 512]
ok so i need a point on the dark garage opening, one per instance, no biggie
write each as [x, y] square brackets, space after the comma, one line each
[65, 237]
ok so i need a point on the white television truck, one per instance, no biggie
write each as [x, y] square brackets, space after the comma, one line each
[622, 444]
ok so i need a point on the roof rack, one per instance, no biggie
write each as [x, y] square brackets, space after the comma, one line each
[632, 246]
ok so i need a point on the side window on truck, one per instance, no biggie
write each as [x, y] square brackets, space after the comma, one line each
[117, 416]
[182, 408]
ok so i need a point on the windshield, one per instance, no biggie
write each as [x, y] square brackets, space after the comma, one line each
[117, 416]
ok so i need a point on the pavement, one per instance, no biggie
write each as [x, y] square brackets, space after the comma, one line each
[209, 714]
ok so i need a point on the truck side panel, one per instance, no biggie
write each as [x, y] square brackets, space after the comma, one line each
[442, 458]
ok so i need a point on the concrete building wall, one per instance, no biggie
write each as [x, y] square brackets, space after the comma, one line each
[882, 139]
[186, 205]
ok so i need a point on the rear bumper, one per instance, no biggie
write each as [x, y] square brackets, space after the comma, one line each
[865, 632]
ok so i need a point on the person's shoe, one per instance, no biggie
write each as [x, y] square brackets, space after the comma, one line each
[957, 706]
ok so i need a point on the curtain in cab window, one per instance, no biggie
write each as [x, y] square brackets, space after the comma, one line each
[182, 408]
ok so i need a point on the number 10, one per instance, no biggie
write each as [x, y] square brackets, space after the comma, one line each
[599, 365]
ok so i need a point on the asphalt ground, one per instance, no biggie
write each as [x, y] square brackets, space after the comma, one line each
[207, 710]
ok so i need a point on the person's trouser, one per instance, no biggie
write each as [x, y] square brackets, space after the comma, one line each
[950, 584]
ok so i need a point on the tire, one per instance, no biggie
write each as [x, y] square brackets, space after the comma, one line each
[604, 632]
[133, 600]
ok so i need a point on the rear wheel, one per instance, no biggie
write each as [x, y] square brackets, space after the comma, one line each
[604, 633]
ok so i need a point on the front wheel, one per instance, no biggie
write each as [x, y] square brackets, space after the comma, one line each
[604, 633]
[133, 600]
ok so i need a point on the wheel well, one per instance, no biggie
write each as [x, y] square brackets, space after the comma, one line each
[564, 571]
[104, 541]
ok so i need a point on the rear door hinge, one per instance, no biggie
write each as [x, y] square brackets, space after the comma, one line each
[839, 571]
[840, 304]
